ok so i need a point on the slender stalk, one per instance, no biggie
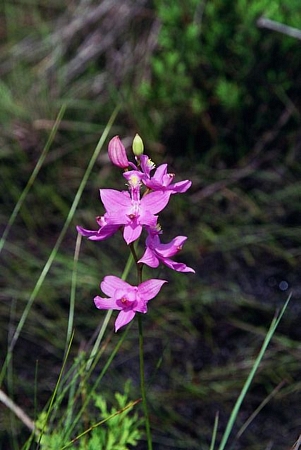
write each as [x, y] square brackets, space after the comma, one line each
[73, 289]
[142, 385]
[17, 410]
[214, 432]
[141, 356]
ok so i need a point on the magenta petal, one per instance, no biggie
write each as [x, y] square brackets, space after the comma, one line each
[149, 258]
[146, 165]
[141, 307]
[110, 284]
[170, 249]
[148, 219]
[117, 218]
[99, 235]
[150, 288]
[178, 241]
[114, 200]
[180, 187]
[131, 233]
[178, 267]
[86, 233]
[105, 303]
[155, 201]
[153, 184]
[123, 318]
[160, 172]
[105, 232]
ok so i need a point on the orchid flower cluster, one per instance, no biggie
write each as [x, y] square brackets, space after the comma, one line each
[132, 211]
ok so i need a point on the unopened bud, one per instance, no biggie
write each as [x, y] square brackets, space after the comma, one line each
[138, 146]
[117, 153]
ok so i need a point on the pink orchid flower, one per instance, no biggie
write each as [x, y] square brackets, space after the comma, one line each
[157, 252]
[126, 298]
[132, 213]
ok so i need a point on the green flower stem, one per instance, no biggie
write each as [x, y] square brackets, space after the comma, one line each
[133, 247]
[141, 355]
[142, 385]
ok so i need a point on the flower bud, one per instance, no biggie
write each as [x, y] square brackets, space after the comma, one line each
[117, 153]
[137, 146]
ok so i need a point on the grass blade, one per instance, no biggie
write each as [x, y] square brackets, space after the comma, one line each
[32, 177]
[248, 382]
[56, 247]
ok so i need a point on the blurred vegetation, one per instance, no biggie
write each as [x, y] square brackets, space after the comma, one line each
[123, 429]
[215, 95]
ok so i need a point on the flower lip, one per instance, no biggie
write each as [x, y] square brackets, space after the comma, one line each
[125, 303]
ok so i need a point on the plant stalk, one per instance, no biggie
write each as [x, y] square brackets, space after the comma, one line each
[142, 385]
[141, 356]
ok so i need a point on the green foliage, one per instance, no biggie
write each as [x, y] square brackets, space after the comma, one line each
[118, 427]
[121, 430]
[215, 69]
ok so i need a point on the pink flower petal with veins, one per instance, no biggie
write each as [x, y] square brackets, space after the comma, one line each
[150, 288]
[123, 318]
[115, 200]
[111, 283]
